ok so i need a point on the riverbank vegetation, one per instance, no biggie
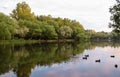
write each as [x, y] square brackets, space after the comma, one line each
[22, 58]
[115, 20]
[24, 24]
[103, 36]
[115, 17]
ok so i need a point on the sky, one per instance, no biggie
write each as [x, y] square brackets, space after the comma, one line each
[92, 14]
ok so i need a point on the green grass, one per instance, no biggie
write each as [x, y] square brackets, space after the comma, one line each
[19, 41]
[56, 41]
[22, 41]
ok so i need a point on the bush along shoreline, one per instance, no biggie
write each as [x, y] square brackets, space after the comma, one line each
[24, 24]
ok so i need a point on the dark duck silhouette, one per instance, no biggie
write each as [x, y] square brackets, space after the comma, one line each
[112, 56]
[86, 55]
[97, 60]
[85, 58]
[116, 66]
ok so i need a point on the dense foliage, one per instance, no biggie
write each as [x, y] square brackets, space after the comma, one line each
[21, 59]
[22, 11]
[8, 27]
[115, 36]
[24, 24]
[98, 35]
[115, 18]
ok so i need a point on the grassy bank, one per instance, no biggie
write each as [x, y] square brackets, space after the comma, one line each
[22, 41]
[56, 41]
[19, 41]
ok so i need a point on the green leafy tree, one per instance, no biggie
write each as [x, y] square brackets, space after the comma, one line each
[22, 11]
[65, 32]
[48, 32]
[22, 29]
[4, 32]
[8, 26]
[48, 20]
[114, 36]
[44, 18]
[78, 30]
[24, 24]
[115, 18]
[31, 29]
[34, 29]
[100, 36]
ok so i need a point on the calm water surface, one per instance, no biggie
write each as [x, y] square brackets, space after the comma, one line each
[60, 60]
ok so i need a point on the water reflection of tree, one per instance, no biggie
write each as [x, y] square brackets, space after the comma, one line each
[22, 59]
[24, 70]
[93, 45]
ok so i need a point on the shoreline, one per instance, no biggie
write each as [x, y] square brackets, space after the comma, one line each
[22, 41]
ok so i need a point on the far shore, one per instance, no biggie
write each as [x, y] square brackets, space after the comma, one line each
[22, 41]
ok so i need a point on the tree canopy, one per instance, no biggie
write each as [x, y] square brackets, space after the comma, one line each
[23, 24]
[115, 17]
[22, 11]
[8, 27]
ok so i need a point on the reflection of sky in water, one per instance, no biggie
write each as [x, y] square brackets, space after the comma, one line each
[77, 67]
[9, 74]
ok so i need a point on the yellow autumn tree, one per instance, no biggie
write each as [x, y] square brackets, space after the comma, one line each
[22, 11]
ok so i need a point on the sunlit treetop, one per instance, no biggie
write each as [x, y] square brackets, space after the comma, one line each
[23, 11]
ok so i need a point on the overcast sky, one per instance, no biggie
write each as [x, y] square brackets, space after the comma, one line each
[92, 14]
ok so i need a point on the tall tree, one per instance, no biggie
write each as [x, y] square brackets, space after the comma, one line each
[65, 32]
[23, 11]
[115, 18]
[7, 27]
[48, 32]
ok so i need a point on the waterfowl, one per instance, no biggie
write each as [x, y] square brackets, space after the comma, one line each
[86, 55]
[85, 58]
[112, 56]
[97, 60]
[116, 66]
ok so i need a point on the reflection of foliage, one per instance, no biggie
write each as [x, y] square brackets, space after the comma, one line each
[93, 45]
[23, 58]
[24, 70]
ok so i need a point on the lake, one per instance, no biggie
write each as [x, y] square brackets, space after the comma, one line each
[90, 59]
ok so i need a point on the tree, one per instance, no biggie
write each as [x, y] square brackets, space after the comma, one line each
[48, 32]
[78, 30]
[114, 36]
[34, 29]
[7, 27]
[4, 32]
[29, 29]
[65, 32]
[22, 29]
[22, 11]
[100, 36]
[115, 18]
